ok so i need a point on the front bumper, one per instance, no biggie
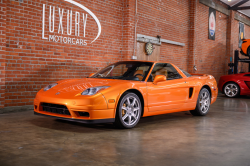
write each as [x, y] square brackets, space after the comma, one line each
[77, 108]
[74, 114]
[111, 120]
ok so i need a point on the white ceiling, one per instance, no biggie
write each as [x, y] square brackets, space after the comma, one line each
[233, 2]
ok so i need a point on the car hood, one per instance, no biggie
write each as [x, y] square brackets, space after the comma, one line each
[79, 85]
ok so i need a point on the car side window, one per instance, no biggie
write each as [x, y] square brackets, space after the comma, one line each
[164, 69]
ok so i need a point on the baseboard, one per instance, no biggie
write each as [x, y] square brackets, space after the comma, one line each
[16, 109]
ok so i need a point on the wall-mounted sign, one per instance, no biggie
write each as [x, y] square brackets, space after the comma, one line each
[211, 23]
[67, 26]
[241, 33]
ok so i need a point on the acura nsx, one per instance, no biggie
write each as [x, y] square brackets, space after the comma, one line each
[123, 92]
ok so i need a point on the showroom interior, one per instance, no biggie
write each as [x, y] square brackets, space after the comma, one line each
[43, 42]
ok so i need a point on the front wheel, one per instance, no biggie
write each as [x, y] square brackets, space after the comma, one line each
[231, 89]
[128, 112]
[203, 103]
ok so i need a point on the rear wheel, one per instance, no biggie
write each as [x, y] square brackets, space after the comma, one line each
[248, 51]
[203, 103]
[128, 111]
[231, 89]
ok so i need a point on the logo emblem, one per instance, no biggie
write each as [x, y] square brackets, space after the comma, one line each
[57, 93]
[66, 25]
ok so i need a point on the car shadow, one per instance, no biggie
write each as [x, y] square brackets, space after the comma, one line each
[69, 126]
[239, 97]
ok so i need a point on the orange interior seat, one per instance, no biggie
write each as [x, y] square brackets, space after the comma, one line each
[139, 72]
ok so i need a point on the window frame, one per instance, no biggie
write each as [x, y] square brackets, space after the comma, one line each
[175, 67]
[150, 64]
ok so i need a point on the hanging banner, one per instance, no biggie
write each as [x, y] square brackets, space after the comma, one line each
[241, 33]
[211, 23]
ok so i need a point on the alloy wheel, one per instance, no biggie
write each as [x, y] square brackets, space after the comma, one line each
[231, 90]
[204, 101]
[130, 111]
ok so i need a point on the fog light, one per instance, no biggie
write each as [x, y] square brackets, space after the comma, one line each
[85, 114]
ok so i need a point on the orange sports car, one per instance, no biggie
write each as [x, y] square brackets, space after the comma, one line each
[125, 91]
[245, 47]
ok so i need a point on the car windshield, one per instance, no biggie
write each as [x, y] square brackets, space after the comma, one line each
[186, 73]
[130, 70]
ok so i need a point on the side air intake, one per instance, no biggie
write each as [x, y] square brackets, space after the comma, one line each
[248, 84]
[191, 90]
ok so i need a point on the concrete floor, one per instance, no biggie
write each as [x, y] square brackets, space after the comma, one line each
[220, 138]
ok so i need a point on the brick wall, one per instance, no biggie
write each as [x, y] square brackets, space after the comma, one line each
[211, 54]
[170, 20]
[128, 35]
[33, 63]
[30, 62]
[2, 51]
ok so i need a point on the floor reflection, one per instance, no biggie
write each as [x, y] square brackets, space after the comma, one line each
[241, 104]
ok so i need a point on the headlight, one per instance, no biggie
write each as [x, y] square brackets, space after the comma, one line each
[49, 86]
[94, 90]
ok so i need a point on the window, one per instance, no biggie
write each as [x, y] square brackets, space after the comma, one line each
[131, 70]
[186, 73]
[164, 69]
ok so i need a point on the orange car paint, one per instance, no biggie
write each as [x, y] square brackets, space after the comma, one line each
[245, 45]
[164, 97]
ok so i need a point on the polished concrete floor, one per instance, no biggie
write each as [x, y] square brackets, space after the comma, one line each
[220, 138]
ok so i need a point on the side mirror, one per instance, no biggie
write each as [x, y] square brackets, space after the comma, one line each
[91, 75]
[159, 78]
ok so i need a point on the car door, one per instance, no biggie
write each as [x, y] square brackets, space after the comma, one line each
[169, 94]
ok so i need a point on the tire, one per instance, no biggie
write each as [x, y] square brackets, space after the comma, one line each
[248, 51]
[231, 89]
[203, 103]
[128, 111]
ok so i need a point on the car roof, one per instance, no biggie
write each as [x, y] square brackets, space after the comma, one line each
[143, 61]
[238, 74]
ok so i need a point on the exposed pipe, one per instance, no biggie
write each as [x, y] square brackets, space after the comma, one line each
[136, 21]
[196, 38]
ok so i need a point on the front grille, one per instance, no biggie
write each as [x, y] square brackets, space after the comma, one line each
[55, 108]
